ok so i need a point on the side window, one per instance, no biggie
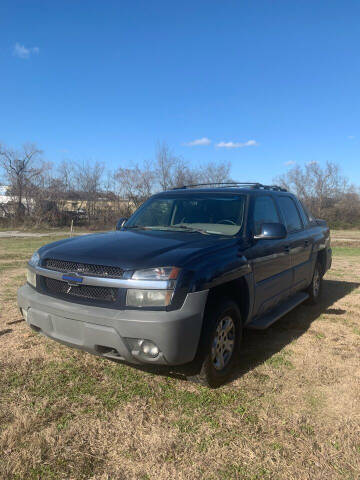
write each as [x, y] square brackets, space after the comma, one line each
[309, 215]
[290, 214]
[264, 212]
[303, 213]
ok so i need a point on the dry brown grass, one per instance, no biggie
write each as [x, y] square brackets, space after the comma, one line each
[291, 412]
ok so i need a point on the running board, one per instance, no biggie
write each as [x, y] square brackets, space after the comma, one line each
[261, 323]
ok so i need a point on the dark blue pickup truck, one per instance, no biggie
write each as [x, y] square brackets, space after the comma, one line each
[177, 282]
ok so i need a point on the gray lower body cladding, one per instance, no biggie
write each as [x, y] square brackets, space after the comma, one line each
[104, 331]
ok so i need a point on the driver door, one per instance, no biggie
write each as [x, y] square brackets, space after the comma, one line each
[269, 258]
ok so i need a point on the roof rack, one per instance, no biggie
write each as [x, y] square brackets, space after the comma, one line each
[259, 186]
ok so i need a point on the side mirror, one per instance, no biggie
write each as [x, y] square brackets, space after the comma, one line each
[271, 231]
[120, 223]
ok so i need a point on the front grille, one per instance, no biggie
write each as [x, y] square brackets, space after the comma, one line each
[90, 292]
[83, 268]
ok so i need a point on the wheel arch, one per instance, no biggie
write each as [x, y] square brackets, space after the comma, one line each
[236, 290]
[321, 257]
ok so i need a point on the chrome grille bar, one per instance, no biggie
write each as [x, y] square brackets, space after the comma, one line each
[106, 282]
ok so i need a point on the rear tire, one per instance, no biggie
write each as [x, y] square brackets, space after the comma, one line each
[315, 288]
[220, 344]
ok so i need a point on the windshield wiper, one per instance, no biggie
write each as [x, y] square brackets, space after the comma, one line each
[139, 227]
[171, 227]
[191, 229]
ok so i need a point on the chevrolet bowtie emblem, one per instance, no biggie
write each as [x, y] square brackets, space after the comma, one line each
[73, 279]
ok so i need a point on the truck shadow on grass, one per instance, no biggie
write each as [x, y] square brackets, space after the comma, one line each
[258, 346]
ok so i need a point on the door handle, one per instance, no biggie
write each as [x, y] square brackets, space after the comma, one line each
[287, 248]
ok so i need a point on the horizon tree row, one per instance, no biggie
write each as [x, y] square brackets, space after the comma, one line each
[87, 193]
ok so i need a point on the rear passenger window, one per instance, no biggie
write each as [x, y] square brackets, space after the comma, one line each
[264, 212]
[303, 213]
[290, 214]
[309, 215]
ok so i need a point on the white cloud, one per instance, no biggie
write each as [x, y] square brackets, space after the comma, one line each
[249, 143]
[199, 141]
[289, 163]
[23, 52]
[351, 137]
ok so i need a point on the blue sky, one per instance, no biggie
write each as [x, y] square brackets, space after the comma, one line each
[262, 83]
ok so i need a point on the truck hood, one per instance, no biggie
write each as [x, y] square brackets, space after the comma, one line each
[132, 250]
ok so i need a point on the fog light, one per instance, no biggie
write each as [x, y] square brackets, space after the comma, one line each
[149, 349]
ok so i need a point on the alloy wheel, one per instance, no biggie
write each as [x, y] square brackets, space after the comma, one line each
[223, 343]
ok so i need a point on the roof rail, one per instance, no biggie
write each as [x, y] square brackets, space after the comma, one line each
[234, 185]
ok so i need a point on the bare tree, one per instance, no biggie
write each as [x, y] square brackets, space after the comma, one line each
[167, 166]
[183, 174]
[40, 191]
[173, 171]
[346, 211]
[21, 168]
[321, 188]
[136, 184]
[110, 182]
[215, 172]
[88, 178]
[66, 172]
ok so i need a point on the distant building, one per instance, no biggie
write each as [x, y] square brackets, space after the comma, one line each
[3, 190]
[75, 204]
[5, 201]
[9, 203]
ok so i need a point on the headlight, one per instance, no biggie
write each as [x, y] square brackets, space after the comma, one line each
[153, 297]
[159, 273]
[34, 260]
[148, 298]
[31, 277]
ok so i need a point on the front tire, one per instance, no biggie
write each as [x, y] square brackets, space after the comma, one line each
[220, 344]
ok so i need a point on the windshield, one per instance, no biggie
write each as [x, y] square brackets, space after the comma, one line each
[208, 214]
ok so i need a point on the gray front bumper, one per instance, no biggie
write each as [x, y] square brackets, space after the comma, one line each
[103, 331]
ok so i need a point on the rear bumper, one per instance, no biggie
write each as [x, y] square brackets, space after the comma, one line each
[104, 331]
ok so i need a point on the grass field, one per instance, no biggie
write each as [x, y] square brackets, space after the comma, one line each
[292, 410]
